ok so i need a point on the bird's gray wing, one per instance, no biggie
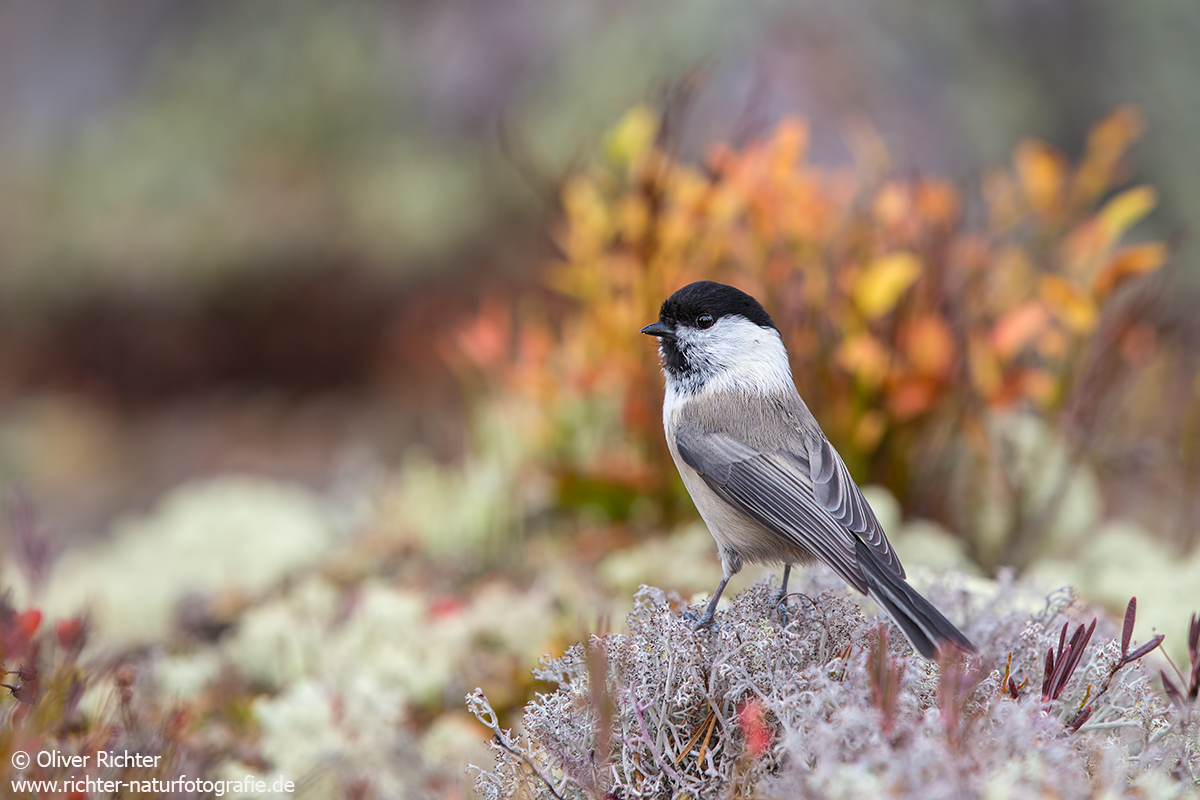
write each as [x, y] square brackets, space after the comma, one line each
[839, 495]
[777, 490]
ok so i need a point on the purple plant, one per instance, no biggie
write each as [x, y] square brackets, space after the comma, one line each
[1127, 657]
[1061, 663]
[1060, 666]
[1185, 697]
[885, 672]
[35, 551]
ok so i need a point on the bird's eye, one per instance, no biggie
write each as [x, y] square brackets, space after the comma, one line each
[704, 321]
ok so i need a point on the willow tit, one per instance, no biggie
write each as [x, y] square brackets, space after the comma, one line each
[767, 482]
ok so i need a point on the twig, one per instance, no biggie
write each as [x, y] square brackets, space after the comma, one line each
[529, 762]
[700, 757]
[478, 703]
[658, 759]
[687, 748]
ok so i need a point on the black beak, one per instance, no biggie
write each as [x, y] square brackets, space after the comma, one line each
[658, 329]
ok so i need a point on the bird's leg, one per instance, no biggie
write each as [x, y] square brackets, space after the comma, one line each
[707, 620]
[780, 605]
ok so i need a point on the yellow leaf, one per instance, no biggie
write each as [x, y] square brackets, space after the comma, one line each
[985, 369]
[632, 217]
[1127, 263]
[1106, 143]
[1042, 171]
[870, 430]
[1010, 278]
[788, 146]
[632, 136]
[880, 285]
[1070, 304]
[587, 217]
[687, 189]
[865, 358]
[1125, 210]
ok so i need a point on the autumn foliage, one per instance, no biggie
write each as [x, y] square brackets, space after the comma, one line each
[904, 302]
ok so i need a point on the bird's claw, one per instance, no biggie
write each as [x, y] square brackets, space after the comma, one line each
[780, 603]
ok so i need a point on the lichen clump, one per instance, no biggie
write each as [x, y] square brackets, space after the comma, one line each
[834, 704]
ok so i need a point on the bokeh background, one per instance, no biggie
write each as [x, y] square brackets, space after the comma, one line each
[321, 395]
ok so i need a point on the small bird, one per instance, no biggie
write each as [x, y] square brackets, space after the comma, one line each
[767, 482]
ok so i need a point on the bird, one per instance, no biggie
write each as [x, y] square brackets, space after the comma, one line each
[766, 480]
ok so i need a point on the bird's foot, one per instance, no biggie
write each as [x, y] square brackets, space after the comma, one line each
[781, 596]
[780, 604]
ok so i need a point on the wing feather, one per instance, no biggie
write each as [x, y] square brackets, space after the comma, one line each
[839, 495]
[775, 489]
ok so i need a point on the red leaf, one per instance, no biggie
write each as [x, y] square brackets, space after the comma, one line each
[1081, 717]
[752, 718]
[1127, 629]
[27, 623]
[1060, 673]
[70, 633]
[1048, 676]
[1172, 692]
[1146, 648]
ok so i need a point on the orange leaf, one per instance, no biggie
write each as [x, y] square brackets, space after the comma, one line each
[484, 339]
[1112, 135]
[1128, 263]
[929, 345]
[1052, 343]
[938, 202]
[1018, 328]
[892, 203]
[864, 358]
[1070, 304]
[911, 398]
[1042, 171]
[788, 146]
[1106, 143]
[1038, 385]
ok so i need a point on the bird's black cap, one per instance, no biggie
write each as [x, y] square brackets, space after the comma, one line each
[715, 299]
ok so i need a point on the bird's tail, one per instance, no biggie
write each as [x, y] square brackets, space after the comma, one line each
[924, 625]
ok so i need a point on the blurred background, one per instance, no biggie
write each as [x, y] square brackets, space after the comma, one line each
[318, 328]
